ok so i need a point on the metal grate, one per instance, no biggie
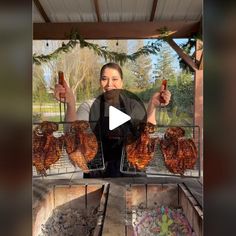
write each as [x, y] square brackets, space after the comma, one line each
[157, 165]
[64, 166]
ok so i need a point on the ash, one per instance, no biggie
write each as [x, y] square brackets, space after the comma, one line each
[70, 222]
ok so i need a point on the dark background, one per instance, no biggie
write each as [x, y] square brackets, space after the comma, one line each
[219, 117]
[15, 117]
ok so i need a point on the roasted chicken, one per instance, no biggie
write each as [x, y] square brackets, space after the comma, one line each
[174, 133]
[179, 153]
[46, 148]
[78, 159]
[141, 151]
[187, 153]
[72, 145]
[53, 150]
[88, 141]
[39, 141]
[81, 145]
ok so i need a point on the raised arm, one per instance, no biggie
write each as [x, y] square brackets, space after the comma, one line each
[159, 98]
[67, 92]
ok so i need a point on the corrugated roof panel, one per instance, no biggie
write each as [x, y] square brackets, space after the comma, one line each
[143, 10]
[69, 10]
[37, 18]
[123, 10]
[118, 10]
[110, 10]
[195, 10]
[178, 10]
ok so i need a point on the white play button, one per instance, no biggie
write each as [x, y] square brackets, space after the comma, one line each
[116, 118]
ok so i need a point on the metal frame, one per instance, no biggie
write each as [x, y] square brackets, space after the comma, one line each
[64, 166]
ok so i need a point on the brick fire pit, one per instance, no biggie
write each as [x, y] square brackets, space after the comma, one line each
[157, 192]
[70, 210]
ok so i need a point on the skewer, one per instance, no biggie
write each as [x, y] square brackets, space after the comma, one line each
[60, 108]
[164, 83]
[61, 96]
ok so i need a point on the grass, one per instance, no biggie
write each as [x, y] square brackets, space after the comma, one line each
[48, 107]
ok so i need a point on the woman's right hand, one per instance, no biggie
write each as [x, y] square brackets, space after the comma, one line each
[64, 93]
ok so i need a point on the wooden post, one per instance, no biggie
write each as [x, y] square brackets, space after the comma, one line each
[197, 67]
[198, 99]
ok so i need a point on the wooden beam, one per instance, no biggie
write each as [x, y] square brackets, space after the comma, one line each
[200, 63]
[41, 10]
[154, 7]
[182, 54]
[115, 30]
[199, 54]
[97, 10]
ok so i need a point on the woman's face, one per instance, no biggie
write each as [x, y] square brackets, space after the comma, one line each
[111, 80]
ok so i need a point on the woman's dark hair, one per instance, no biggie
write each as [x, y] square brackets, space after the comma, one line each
[111, 65]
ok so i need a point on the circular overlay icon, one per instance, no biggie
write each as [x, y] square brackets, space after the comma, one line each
[117, 114]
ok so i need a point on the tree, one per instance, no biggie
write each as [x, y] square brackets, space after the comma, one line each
[129, 79]
[39, 85]
[81, 69]
[163, 68]
[180, 109]
[141, 68]
[183, 92]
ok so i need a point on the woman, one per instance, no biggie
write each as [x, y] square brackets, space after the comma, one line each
[111, 77]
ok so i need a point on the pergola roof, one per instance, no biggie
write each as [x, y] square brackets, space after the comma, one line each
[107, 19]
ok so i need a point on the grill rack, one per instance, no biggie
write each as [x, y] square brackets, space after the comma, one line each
[64, 165]
[157, 166]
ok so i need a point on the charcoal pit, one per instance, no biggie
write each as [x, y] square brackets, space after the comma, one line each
[68, 210]
[156, 209]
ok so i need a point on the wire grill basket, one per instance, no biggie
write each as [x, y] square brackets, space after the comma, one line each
[64, 165]
[157, 164]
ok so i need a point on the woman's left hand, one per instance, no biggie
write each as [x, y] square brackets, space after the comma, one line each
[161, 98]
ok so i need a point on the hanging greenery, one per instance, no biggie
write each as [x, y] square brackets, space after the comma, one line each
[164, 33]
[121, 58]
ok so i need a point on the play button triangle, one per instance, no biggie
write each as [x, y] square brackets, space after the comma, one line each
[116, 118]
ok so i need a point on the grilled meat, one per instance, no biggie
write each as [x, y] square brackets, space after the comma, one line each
[48, 128]
[89, 146]
[73, 149]
[39, 141]
[141, 151]
[71, 142]
[174, 133]
[88, 141]
[46, 148]
[179, 152]
[78, 159]
[187, 153]
[81, 145]
[53, 150]
[38, 162]
[80, 125]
